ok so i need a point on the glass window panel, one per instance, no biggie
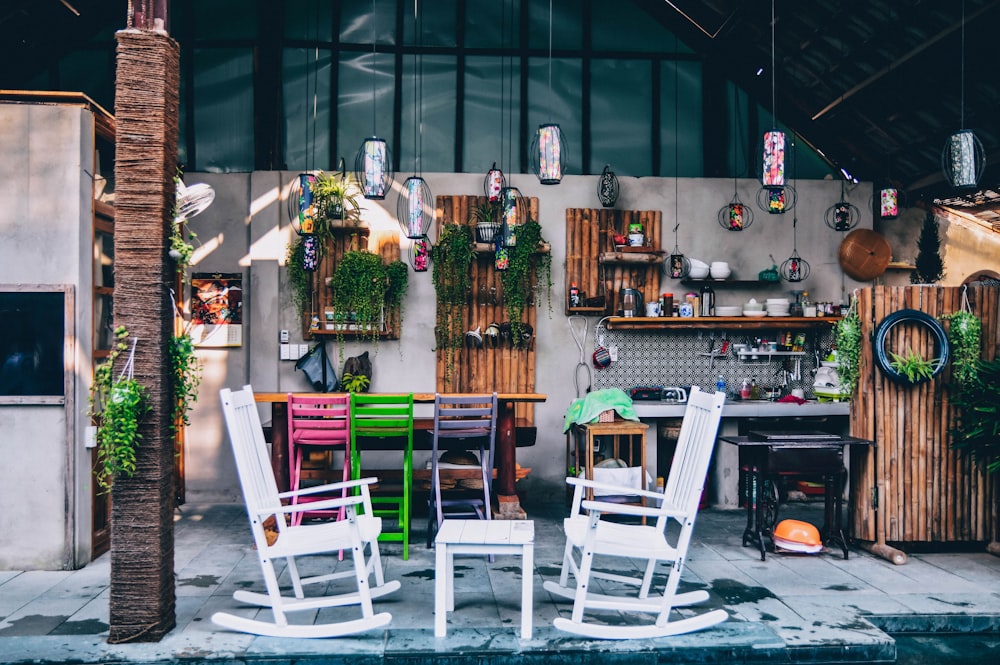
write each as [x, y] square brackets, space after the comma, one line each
[567, 24]
[309, 19]
[681, 144]
[356, 23]
[355, 108]
[561, 105]
[223, 114]
[492, 24]
[436, 142]
[621, 117]
[488, 124]
[740, 163]
[104, 259]
[104, 324]
[90, 72]
[305, 87]
[224, 19]
[624, 27]
[435, 23]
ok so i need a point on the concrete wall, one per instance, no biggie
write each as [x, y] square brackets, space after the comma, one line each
[246, 229]
[45, 239]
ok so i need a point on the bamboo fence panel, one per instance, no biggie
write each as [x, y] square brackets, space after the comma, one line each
[914, 486]
[589, 234]
[500, 368]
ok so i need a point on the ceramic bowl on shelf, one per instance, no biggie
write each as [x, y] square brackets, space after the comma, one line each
[754, 312]
[753, 306]
[720, 270]
[728, 310]
[698, 273]
[695, 263]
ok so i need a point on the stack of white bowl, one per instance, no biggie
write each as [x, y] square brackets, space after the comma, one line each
[777, 306]
[728, 310]
[699, 269]
[719, 270]
[753, 308]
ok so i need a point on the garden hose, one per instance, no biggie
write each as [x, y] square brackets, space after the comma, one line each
[909, 316]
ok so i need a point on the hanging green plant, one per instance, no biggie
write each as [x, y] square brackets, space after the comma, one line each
[186, 374]
[977, 429]
[299, 277]
[964, 336]
[452, 257]
[847, 336]
[362, 287]
[116, 403]
[335, 199]
[526, 265]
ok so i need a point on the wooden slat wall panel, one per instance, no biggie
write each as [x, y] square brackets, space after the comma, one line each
[486, 369]
[927, 491]
[589, 233]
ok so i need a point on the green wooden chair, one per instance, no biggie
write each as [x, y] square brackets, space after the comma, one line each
[385, 422]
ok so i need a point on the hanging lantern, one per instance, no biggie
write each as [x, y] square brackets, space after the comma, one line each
[310, 253]
[795, 268]
[963, 160]
[494, 184]
[842, 216]
[607, 187]
[546, 154]
[776, 200]
[677, 266]
[501, 255]
[301, 211]
[373, 168]
[888, 207]
[512, 215]
[773, 173]
[414, 210]
[420, 254]
[736, 216]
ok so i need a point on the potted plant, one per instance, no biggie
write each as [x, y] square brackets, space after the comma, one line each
[362, 289]
[186, 375]
[518, 280]
[912, 366]
[452, 257]
[335, 199]
[486, 217]
[298, 276]
[977, 429]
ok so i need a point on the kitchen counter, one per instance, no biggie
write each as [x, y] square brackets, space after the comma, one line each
[747, 409]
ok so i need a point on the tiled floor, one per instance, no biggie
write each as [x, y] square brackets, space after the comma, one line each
[796, 608]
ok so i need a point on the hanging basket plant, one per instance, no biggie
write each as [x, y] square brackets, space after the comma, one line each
[452, 258]
[964, 337]
[362, 288]
[847, 335]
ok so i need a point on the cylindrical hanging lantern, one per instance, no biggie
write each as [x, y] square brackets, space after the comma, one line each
[414, 208]
[546, 154]
[607, 187]
[310, 253]
[795, 268]
[420, 254]
[773, 173]
[735, 216]
[963, 159]
[373, 168]
[888, 202]
[776, 200]
[511, 215]
[494, 184]
[677, 265]
[301, 211]
[842, 216]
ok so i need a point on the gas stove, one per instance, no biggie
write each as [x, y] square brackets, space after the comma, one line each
[670, 394]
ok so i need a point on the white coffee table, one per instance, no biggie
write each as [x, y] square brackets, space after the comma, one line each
[481, 537]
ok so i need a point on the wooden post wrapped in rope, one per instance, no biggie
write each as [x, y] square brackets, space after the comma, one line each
[142, 603]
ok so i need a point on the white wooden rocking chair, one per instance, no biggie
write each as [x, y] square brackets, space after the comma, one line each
[590, 534]
[263, 501]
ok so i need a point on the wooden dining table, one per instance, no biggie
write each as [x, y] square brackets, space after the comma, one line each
[508, 503]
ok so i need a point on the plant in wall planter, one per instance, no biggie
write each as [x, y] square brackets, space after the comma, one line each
[912, 366]
[452, 258]
[964, 337]
[518, 280]
[335, 197]
[363, 289]
[117, 403]
[298, 276]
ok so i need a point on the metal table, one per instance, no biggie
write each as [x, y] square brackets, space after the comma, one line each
[769, 454]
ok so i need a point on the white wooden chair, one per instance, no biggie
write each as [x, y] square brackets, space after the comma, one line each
[590, 534]
[358, 531]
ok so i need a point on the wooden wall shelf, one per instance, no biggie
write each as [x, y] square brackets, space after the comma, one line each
[720, 322]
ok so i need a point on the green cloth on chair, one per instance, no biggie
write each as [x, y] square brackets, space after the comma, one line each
[382, 417]
[588, 409]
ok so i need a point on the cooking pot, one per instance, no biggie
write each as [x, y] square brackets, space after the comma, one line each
[631, 302]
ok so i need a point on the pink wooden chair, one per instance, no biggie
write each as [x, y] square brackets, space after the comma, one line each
[318, 423]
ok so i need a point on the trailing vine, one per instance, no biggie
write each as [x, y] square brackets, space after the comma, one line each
[452, 257]
[964, 333]
[116, 403]
[186, 374]
[847, 334]
[977, 431]
[362, 289]
[518, 288]
[299, 277]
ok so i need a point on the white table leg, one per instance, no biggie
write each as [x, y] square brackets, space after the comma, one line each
[527, 585]
[442, 573]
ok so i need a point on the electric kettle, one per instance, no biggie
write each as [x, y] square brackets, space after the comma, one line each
[631, 302]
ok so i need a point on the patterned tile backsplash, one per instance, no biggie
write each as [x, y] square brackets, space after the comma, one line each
[678, 357]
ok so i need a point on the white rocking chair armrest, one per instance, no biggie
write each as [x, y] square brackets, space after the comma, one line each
[618, 490]
[328, 488]
[605, 507]
[326, 504]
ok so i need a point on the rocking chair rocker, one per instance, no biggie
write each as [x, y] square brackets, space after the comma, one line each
[358, 530]
[589, 534]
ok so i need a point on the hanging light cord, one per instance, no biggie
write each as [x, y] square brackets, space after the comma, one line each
[677, 143]
[510, 107]
[774, 108]
[417, 93]
[550, 59]
[961, 118]
[374, 128]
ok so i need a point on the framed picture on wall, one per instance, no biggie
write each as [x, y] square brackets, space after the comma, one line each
[217, 309]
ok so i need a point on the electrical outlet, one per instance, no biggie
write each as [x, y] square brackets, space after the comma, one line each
[283, 336]
[613, 352]
[303, 350]
[286, 351]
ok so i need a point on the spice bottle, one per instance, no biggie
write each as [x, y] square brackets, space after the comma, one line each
[574, 295]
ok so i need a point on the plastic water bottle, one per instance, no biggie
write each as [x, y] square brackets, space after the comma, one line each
[720, 385]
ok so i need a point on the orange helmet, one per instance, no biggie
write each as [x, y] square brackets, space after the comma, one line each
[795, 531]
